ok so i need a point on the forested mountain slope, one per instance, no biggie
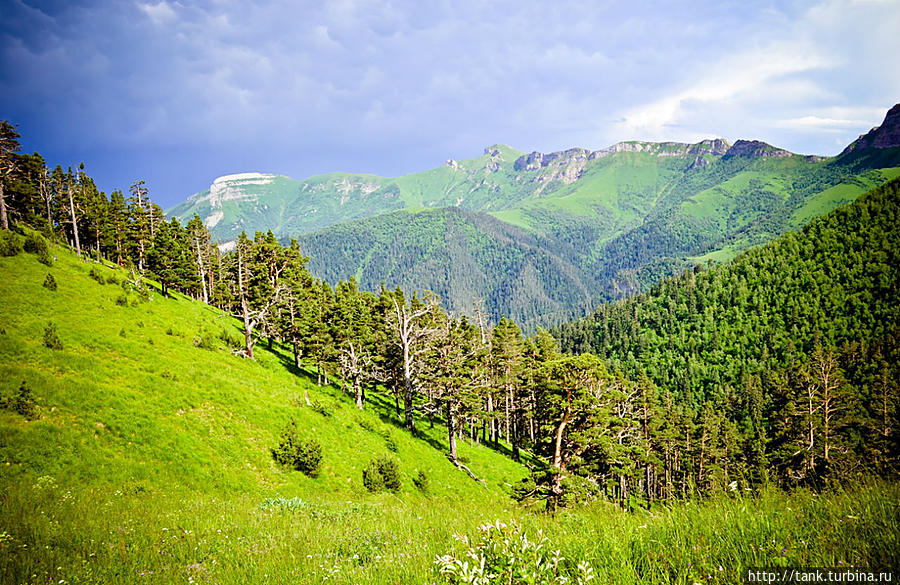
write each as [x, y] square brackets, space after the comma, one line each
[471, 260]
[703, 334]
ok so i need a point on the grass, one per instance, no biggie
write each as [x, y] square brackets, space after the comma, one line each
[149, 463]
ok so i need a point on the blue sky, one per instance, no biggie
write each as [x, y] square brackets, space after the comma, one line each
[178, 93]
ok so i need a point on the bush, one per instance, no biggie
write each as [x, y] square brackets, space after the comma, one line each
[10, 244]
[304, 456]
[382, 473]
[204, 340]
[22, 403]
[122, 300]
[35, 244]
[50, 282]
[390, 443]
[372, 478]
[321, 408]
[111, 279]
[44, 258]
[421, 481]
[51, 338]
[95, 274]
[230, 340]
[505, 554]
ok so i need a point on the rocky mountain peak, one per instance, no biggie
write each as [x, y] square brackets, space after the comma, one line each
[756, 148]
[537, 160]
[885, 136]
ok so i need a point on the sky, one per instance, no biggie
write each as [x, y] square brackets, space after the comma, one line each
[178, 93]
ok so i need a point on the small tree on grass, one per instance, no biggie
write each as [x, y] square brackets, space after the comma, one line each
[51, 337]
[294, 452]
[382, 473]
[23, 403]
[50, 282]
[421, 481]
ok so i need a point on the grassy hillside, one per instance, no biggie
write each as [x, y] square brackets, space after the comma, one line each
[148, 462]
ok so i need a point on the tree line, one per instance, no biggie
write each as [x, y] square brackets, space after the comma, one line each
[668, 412]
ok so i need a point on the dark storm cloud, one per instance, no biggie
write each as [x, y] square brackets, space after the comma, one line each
[180, 92]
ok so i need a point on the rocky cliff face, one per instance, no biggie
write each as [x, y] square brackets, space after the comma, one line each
[538, 160]
[885, 136]
[756, 148]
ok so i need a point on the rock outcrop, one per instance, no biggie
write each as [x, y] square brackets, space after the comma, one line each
[885, 136]
[756, 149]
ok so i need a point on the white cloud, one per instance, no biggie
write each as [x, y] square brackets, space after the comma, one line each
[159, 13]
[733, 77]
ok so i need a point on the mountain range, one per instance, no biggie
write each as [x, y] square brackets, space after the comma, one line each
[544, 237]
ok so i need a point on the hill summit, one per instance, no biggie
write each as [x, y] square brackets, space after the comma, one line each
[885, 136]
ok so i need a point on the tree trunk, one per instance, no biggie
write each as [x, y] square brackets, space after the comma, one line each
[492, 422]
[202, 272]
[74, 222]
[451, 430]
[248, 329]
[245, 310]
[4, 220]
[408, 390]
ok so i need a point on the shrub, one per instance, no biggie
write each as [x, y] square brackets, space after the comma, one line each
[421, 481]
[35, 244]
[95, 274]
[230, 340]
[391, 444]
[505, 554]
[122, 300]
[44, 258]
[321, 408]
[204, 340]
[303, 455]
[112, 279]
[371, 476]
[51, 337]
[10, 244]
[50, 282]
[22, 403]
[382, 473]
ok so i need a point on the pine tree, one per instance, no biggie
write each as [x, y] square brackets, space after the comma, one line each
[9, 145]
[139, 221]
[507, 347]
[411, 327]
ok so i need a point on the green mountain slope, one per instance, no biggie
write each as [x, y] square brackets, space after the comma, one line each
[621, 217]
[469, 259]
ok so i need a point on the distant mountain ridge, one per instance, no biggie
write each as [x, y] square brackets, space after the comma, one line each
[618, 218]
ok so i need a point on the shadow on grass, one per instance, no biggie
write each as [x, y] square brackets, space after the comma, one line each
[384, 405]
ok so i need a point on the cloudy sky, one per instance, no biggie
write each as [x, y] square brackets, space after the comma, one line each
[179, 92]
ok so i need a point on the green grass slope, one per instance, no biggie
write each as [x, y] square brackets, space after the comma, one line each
[132, 389]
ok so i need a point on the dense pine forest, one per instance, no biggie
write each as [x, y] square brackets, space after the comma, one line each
[776, 370]
[785, 358]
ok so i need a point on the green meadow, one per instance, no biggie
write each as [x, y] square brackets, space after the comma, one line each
[148, 461]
